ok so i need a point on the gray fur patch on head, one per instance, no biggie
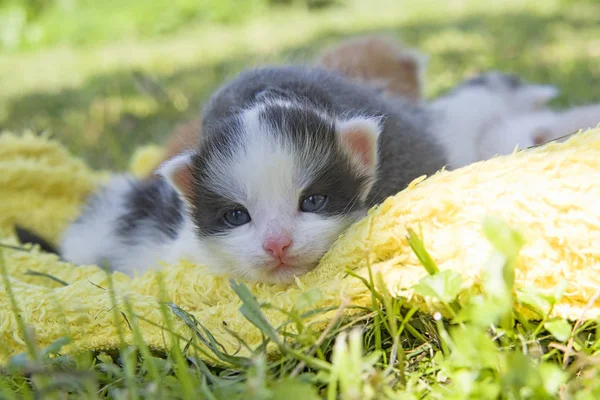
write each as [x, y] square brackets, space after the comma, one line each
[493, 80]
[523, 94]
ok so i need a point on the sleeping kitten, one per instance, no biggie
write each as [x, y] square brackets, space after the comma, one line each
[288, 159]
[477, 105]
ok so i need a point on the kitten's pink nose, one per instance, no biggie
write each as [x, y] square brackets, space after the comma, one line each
[277, 245]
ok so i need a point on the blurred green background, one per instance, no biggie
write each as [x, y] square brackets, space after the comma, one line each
[106, 76]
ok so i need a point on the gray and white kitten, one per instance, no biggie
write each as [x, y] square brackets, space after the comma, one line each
[289, 158]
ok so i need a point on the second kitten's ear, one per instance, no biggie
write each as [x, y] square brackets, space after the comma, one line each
[178, 172]
[358, 138]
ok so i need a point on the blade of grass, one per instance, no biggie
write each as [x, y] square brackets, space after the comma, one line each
[23, 331]
[43, 274]
[418, 247]
[336, 318]
[125, 354]
[140, 343]
[12, 247]
[250, 309]
[208, 340]
[181, 371]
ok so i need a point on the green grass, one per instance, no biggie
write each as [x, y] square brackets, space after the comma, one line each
[483, 349]
[95, 99]
[104, 98]
[32, 24]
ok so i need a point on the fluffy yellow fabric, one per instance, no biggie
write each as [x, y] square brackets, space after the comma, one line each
[551, 193]
[41, 184]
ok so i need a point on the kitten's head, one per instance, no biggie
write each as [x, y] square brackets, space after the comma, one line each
[272, 188]
[517, 94]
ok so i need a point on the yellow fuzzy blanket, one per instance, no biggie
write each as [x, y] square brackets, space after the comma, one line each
[551, 193]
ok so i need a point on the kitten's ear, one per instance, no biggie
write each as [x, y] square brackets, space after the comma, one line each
[178, 173]
[358, 138]
[539, 95]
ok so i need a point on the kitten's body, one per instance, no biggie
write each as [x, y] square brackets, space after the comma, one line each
[131, 224]
[288, 159]
[462, 117]
[534, 128]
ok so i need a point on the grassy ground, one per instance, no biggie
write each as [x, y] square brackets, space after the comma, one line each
[104, 97]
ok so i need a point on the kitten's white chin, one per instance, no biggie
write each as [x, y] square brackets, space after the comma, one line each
[285, 273]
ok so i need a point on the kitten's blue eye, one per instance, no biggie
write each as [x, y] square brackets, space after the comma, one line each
[313, 203]
[237, 217]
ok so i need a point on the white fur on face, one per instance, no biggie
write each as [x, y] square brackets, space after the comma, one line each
[267, 177]
[241, 253]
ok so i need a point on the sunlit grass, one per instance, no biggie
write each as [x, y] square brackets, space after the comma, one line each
[96, 99]
[483, 348]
